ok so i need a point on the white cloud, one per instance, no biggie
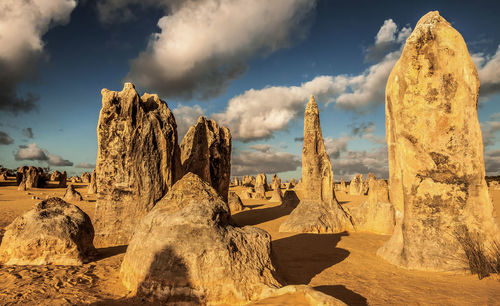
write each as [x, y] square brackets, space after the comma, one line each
[203, 45]
[389, 38]
[85, 165]
[34, 153]
[56, 160]
[22, 26]
[335, 146]
[489, 72]
[492, 162]
[251, 162]
[352, 162]
[185, 117]
[257, 114]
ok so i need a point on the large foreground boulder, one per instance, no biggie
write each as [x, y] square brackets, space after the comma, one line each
[185, 250]
[318, 210]
[53, 232]
[138, 160]
[206, 152]
[437, 176]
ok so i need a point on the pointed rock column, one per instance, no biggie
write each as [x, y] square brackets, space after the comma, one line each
[206, 152]
[437, 183]
[318, 210]
[138, 160]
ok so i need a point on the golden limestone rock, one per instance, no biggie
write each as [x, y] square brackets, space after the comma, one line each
[318, 210]
[437, 183]
[92, 189]
[185, 250]
[53, 232]
[206, 152]
[377, 214]
[356, 185]
[138, 160]
[71, 194]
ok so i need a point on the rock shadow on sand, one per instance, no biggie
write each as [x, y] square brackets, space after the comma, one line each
[301, 257]
[257, 216]
[340, 292]
[103, 253]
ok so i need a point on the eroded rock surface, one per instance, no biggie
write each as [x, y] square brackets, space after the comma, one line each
[436, 164]
[234, 202]
[138, 160]
[53, 232]
[206, 151]
[356, 185]
[318, 210]
[85, 177]
[185, 250]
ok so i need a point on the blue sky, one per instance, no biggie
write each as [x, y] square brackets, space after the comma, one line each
[247, 64]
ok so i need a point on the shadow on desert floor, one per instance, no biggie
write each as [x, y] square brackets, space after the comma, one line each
[340, 292]
[103, 253]
[300, 257]
[257, 216]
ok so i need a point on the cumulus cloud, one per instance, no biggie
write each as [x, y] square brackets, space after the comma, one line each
[388, 39]
[56, 160]
[263, 160]
[489, 72]
[5, 139]
[257, 114]
[28, 132]
[85, 165]
[34, 153]
[21, 50]
[185, 117]
[335, 146]
[489, 131]
[492, 162]
[203, 45]
[350, 163]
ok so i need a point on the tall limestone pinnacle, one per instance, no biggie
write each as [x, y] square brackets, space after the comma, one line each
[318, 210]
[317, 174]
[436, 165]
[138, 160]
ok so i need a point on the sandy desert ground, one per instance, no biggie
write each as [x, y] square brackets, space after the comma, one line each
[342, 265]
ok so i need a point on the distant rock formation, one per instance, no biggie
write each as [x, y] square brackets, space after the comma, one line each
[377, 214]
[138, 160]
[356, 185]
[71, 194]
[246, 193]
[55, 175]
[318, 210]
[85, 177]
[206, 152]
[53, 232]
[437, 176]
[367, 183]
[234, 202]
[185, 250]
[276, 182]
[260, 186]
[92, 189]
[342, 185]
[276, 195]
[20, 174]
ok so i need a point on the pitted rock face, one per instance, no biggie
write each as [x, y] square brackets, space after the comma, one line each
[435, 148]
[185, 250]
[138, 160]
[206, 152]
[318, 210]
[234, 202]
[53, 232]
